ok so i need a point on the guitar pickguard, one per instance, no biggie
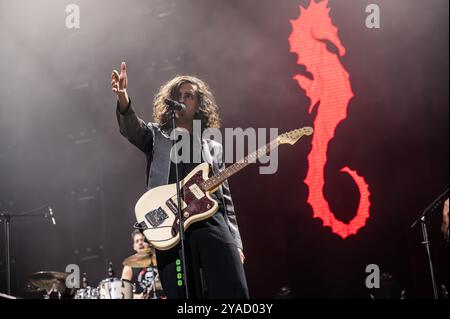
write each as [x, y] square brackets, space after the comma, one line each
[195, 198]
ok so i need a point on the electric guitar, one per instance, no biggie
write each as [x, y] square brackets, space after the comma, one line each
[157, 210]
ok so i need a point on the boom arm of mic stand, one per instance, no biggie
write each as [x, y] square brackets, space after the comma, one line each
[438, 201]
[426, 241]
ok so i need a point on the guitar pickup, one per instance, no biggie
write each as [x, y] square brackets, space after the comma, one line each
[196, 191]
[173, 207]
[156, 217]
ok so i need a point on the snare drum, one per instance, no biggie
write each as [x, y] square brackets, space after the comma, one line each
[115, 288]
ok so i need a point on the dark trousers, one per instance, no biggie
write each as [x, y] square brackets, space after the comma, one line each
[213, 265]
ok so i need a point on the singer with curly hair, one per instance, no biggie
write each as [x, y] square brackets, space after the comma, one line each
[214, 251]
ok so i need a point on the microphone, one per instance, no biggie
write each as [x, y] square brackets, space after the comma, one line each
[51, 215]
[174, 105]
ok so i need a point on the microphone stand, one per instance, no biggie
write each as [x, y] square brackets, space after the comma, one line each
[6, 218]
[426, 242]
[180, 215]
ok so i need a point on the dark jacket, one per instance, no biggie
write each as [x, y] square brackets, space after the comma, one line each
[156, 145]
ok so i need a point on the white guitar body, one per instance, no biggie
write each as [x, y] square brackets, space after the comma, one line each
[156, 210]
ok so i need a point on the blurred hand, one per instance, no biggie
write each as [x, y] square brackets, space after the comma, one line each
[119, 85]
[119, 82]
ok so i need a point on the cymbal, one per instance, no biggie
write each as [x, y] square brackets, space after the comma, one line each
[142, 259]
[32, 288]
[50, 275]
[48, 280]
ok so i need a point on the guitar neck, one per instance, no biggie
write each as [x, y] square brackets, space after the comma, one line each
[214, 181]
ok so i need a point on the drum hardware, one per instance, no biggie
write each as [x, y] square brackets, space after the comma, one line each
[51, 282]
[6, 217]
[86, 292]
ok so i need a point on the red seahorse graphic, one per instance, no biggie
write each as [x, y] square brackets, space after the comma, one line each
[330, 86]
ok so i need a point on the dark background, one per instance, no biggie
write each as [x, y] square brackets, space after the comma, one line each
[60, 144]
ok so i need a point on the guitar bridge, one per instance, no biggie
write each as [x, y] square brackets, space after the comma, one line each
[156, 217]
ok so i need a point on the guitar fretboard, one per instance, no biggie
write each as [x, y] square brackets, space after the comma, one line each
[220, 177]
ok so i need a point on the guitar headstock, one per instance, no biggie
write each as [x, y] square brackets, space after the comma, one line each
[292, 137]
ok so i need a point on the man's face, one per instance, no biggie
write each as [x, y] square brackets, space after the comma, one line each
[187, 95]
[139, 243]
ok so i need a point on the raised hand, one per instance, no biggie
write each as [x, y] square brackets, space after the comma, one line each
[119, 85]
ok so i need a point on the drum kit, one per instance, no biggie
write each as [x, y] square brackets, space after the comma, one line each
[53, 284]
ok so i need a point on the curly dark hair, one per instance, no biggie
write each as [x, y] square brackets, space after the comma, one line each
[208, 111]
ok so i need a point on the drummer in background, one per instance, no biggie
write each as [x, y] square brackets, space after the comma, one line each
[142, 278]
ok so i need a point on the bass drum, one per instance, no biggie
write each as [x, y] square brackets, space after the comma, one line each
[115, 288]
